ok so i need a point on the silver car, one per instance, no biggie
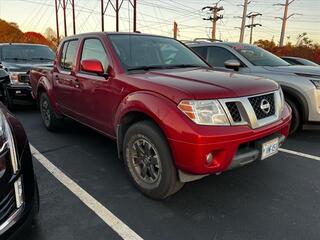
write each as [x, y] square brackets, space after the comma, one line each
[300, 84]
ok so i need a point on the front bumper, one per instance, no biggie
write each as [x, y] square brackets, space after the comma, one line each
[20, 94]
[226, 144]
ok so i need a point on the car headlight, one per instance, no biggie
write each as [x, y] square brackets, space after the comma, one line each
[8, 141]
[204, 112]
[316, 83]
[14, 77]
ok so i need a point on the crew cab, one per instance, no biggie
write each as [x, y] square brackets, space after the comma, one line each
[17, 59]
[174, 119]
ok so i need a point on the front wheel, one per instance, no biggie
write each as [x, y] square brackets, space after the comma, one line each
[296, 116]
[148, 161]
[49, 117]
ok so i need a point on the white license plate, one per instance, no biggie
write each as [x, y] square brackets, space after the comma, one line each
[270, 148]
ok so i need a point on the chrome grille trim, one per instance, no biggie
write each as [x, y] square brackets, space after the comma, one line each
[247, 112]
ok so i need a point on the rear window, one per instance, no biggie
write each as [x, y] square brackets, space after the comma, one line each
[13, 53]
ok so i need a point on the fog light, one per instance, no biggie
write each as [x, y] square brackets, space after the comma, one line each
[18, 192]
[209, 158]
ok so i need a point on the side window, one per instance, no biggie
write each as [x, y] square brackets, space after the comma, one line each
[63, 54]
[68, 58]
[217, 56]
[93, 49]
[201, 51]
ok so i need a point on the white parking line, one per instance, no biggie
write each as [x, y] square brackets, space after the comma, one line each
[108, 217]
[313, 157]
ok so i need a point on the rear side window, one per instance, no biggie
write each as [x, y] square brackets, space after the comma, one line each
[93, 49]
[217, 56]
[201, 51]
[68, 56]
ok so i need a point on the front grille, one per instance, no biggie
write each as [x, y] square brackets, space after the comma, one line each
[256, 103]
[24, 78]
[7, 206]
[234, 112]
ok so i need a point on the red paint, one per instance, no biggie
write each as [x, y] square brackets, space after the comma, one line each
[101, 102]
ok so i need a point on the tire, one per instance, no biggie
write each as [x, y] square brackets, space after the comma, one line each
[148, 161]
[49, 117]
[296, 116]
[8, 101]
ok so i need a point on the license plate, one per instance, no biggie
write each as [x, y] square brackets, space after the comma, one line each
[270, 148]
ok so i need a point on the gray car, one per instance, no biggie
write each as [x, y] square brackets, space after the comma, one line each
[300, 84]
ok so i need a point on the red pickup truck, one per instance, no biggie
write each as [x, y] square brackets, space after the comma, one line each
[174, 119]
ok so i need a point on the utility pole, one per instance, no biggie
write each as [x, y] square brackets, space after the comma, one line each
[116, 6]
[214, 17]
[175, 30]
[63, 4]
[243, 22]
[252, 16]
[284, 19]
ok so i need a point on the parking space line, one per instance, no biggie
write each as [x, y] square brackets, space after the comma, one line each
[107, 216]
[313, 157]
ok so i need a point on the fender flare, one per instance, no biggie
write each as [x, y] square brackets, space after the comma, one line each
[300, 98]
[153, 105]
[46, 84]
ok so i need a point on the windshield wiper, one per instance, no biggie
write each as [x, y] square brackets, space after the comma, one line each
[185, 66]
[16, 59]
[145, 68]
[41, 58]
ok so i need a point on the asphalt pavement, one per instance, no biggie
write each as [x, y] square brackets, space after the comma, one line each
[277, 198]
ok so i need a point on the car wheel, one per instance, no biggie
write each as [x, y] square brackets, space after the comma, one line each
[296, 116]
[148, 161]
[7, 100]
[49, 117]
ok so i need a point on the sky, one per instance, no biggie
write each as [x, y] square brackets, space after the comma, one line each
[157, 17]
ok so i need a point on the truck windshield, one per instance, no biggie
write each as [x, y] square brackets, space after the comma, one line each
[140, 52]
[258, 56]
[26, 53]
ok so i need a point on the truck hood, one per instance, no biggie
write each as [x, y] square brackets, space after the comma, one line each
[23, 66]
[205, 83]
[312, 70]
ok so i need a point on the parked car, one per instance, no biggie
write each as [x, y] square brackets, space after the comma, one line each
[299, 61]
[17, 59]
[174, 119]
[300, 84]
[19, 197]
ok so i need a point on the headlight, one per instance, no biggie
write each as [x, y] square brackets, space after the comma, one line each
[316, 83]
[14, 77]
[8, 141]
[206, 112]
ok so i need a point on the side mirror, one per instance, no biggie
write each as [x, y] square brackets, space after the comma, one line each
[232, 64]
[92, 66]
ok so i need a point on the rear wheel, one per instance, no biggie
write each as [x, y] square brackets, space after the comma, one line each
[49, 117]
[148, 161]
[296, 116]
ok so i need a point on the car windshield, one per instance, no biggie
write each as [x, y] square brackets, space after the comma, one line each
[258, 56]
[27, 53]
[141, 52]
